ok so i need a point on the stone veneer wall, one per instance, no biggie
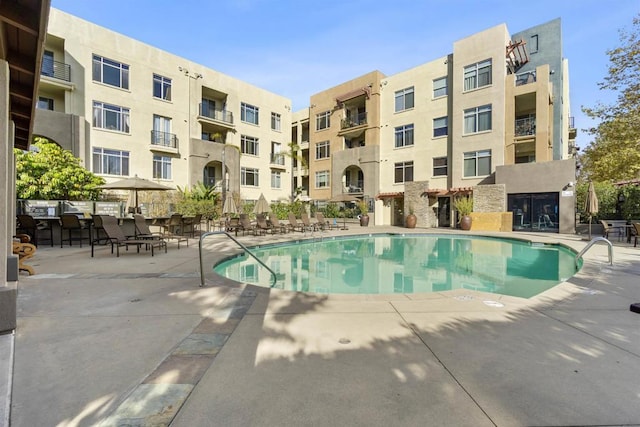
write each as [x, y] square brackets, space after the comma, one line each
[489, 198]
[415, 196]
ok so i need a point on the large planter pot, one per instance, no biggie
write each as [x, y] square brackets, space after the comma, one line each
[411, 221]
[465, 222]
[364, 220]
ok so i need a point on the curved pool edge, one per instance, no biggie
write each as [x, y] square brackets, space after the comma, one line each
[557, 293]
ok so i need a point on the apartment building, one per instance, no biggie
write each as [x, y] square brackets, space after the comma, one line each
[124, 108]
[490, 120]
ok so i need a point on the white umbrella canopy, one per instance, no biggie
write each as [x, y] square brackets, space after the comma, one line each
[591, 204]
[229, 207]
[134, 184]
[262, 206]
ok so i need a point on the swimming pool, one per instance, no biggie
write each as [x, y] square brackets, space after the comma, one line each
[390, 263]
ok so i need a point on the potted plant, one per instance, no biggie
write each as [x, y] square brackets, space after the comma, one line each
[464, 206]
[364, 217]
[411, 220]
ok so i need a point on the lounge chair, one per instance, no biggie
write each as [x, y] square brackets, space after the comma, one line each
[190, 223]
[262, 225]
[246, 226]
[322, 222]
[308, 225]
[117, 237]
[233, 224]
[294, 224]
[277, 225]
[143, 231]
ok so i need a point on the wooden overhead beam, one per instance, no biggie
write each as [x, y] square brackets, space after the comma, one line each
[20, 16]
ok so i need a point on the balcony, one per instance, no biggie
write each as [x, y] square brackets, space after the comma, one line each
[277, 159]
[164, 141]
[219, 117]
[525, 127]
[355, 186]
[572, 128]
[56, 70]
[351, 122]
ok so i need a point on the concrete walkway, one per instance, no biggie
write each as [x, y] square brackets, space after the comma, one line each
[135, 341]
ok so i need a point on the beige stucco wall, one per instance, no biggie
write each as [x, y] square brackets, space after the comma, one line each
[488, 44]
[82, 39]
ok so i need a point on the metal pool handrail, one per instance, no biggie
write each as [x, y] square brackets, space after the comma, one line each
[210, 233]
[593, 242]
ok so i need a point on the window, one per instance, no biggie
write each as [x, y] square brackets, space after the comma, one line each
[110, 72]
[322, 179]
[440, 87]
[404, 99]
[403, 172]
[249, 145]
[275, 121]
[110, 162]
[439, 166]
[161, 134]
[249, 177]
[323, 120]
[404, 136]
[477, 163]
[477, 75]
[322, 150]
[47, 68]
[477, 119]
[45, 103]
[161, 167]
[533, 44]
[276, 179]
[249, 113]
[161, 87]
[112, 117]
[440, 127]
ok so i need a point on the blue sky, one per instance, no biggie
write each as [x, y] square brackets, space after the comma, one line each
[298, 48]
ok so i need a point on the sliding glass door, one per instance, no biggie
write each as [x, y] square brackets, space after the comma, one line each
[534, 211]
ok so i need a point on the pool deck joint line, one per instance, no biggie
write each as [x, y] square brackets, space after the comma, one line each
[158, 399]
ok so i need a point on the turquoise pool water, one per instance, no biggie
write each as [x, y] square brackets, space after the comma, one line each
[388, 264]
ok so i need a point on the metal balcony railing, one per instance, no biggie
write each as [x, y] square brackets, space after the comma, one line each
[277, 159]
[55, 69]
[355, 186]
[164, 139]
[572, 122]
[220, 115]
[349, 122]
[526, 126]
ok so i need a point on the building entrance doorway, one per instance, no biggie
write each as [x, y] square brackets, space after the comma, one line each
[444, 212]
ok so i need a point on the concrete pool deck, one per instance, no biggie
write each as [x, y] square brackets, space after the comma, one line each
[135, 341]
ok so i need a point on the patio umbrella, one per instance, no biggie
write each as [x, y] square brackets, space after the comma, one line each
[262, 206]
[135, 184]
[229, 207]
[343, 198]
[591, 204]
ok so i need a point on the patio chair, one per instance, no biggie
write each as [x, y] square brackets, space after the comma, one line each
[173, 229]
[277, 225]
[608, 229]
[75, 229]
[294, 224]
[24, 250]
[29, 225]
[100, 236]
[190, 223]
[262, 225]
[117, 238]
[233, 224]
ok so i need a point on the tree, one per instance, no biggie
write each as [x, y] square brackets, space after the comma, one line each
[48, 172]
[615, 152]
[295, 154]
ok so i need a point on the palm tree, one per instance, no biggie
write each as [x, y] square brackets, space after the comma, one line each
[294, 153]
